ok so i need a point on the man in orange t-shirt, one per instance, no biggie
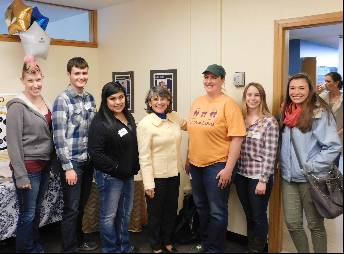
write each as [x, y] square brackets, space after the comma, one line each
[216, 129]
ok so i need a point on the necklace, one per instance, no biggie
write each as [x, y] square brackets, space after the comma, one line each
[251, 119]
[42, 107]
[38, 102]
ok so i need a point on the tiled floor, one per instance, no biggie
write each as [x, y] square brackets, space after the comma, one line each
[51, 239]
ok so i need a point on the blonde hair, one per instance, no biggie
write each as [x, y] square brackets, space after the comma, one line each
[263, 107]
[31, 67]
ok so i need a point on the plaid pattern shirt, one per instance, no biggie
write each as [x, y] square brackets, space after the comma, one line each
[258, 150]
[71, 117]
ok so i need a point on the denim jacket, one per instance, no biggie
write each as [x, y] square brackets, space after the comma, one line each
[317, 148]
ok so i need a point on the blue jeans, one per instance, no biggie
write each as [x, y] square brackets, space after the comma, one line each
[116, 203]
[255, 207]
[212, 206]
[74, 200]
[30, 202]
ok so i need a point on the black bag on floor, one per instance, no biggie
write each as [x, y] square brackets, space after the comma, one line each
[187, 223]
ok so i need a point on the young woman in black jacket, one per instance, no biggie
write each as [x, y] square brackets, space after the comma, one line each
[113, 149]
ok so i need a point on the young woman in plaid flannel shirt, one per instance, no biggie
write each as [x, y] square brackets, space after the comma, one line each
[254, 178]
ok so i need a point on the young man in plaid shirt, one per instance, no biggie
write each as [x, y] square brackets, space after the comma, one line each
[73, 112]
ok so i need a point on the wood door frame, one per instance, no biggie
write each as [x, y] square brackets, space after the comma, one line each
[279, 76]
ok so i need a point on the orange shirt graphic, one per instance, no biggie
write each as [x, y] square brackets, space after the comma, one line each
[211, 123]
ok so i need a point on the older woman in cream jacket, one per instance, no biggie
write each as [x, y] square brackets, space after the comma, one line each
[159, 139]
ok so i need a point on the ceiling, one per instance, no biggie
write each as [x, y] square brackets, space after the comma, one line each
[325, 35]
[84, 4]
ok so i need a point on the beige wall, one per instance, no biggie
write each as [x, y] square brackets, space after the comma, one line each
[54, 68]
[248, 34]
[143, 35]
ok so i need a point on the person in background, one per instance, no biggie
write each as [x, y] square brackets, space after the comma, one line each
[30, 148]
[216, 129]
[73, 112]
[114, 152]
[332, 93]
[254, 177]
[159, 139]
[308, 120]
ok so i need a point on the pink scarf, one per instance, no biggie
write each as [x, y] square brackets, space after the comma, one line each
[292, 115]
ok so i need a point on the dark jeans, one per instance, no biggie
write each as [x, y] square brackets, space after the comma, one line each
[30, 202]
[212, 206]
[116, 202]
[255, 207]
[75, 198]
[162, 211]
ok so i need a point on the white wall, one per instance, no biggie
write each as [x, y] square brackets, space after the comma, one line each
[143, 35]
[54, 68]
[248, 35]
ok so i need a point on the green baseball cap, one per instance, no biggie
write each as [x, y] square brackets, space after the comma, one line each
[216, 69]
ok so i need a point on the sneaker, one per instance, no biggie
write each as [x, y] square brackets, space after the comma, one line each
[133, 249]
[87, 246]
[200, 248]
[172, 250]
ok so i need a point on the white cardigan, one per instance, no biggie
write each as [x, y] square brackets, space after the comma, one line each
[159, 147]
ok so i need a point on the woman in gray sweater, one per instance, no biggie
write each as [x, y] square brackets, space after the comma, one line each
[29, 144]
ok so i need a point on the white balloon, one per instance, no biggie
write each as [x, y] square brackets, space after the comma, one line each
[35, 41]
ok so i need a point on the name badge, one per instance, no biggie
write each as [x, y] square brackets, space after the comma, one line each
[122, 132]
[255, 135]
[88, 105]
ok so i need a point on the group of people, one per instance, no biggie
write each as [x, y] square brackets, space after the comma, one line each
[35, 135]
[226, 144]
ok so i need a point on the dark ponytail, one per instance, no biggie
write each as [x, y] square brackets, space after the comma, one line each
[336, 77]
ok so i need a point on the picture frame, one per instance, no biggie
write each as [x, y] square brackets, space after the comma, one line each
[126, 79]
[167, 78]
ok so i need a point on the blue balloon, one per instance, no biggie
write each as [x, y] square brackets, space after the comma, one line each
[39, 18]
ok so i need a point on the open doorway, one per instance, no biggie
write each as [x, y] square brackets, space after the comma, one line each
[316, 51]
[281, 45]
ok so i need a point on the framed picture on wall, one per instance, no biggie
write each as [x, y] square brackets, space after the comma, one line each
[126, 79]
[166, 78]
